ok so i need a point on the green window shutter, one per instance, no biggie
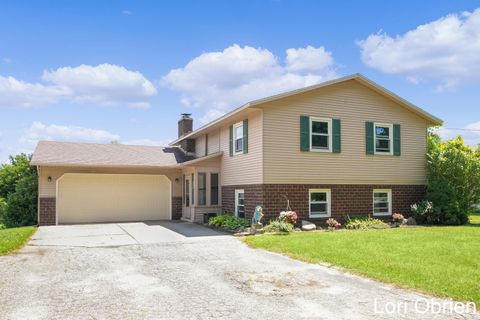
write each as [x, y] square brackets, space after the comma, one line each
[369, 139]
[336, 136]
[396, 140]
[304, 133]
[245, 136]
[231, 141]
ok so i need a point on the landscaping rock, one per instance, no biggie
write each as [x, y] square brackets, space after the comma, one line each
[411, 221]
[308, 226]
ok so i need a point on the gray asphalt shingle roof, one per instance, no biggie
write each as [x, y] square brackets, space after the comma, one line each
[90, 154]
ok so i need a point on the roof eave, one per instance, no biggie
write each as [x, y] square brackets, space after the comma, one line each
[356, 76]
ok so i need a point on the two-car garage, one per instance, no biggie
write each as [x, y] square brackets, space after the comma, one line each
[95, 197]
[94, 183]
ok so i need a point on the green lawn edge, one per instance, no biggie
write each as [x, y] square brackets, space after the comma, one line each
[13, 239]
[455, 276]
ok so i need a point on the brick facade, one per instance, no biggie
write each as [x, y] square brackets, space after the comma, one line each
[46, 211]
[253, 197]
[347, 199]
[176, 208]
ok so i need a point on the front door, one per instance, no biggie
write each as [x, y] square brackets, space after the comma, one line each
[187, 212]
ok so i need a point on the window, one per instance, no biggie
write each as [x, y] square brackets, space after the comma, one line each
[206, 144]
[239, 203]
[382, 202]
[214, 189]
[320, 134]
[238, 137]
[319, 203]
[193, 190]
[383, 138]
[187, 192]
[202, 189]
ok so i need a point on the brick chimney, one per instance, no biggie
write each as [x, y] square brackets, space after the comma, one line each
[185, 124]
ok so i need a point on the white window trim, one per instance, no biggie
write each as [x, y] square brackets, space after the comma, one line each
[235, 126]
[329, 203]
[329, 121]
[237, 192]
[390, 138]
[389, 197]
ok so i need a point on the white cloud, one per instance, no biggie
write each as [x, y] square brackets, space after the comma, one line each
[470, 133]
[39, 131]
[308, 59]
[218, 81]
[23, 94]
[104, 84]
[127, 12]
[446, 50]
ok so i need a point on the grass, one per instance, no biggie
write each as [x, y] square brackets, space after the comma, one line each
[14, 238]
[443, 261]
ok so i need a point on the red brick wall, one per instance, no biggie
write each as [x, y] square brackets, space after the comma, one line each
[46, 212]
[253, 198]
[176, 208]
[346, 199]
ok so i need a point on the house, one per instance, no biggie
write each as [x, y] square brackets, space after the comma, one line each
[346, 146]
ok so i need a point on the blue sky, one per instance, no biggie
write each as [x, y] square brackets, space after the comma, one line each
[124, 70]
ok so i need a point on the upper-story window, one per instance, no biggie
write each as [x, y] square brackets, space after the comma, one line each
[383, 138]
[320, 134]
[238, 137]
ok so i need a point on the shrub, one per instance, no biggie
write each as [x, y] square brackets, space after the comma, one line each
[227, 222]
[333, 224]
[278, 226]
[453, 176]
[364, 223]
[423, 212]
[3, 207]
[18, 187]
[288, 217]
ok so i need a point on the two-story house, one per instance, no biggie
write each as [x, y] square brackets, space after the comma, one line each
[346, 146]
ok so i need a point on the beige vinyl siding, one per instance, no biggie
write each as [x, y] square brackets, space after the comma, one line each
[214, 142]
[243, 168]
[200, 211]
[353, 104]
[200, 146]
[48, 189]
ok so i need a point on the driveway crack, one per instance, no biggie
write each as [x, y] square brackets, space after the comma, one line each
[128, 233]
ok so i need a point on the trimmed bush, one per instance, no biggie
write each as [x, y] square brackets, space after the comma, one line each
[228, 222]
[278, 226]
[363, 223]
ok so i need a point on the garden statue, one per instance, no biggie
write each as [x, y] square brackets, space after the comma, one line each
[257, 216]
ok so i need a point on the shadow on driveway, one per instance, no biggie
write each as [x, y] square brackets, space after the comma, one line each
[187, 229]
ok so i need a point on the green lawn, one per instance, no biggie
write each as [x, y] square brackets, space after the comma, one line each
[14, 238]
[443, 261]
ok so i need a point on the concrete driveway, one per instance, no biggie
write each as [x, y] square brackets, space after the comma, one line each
[118, 273]
[120, 234]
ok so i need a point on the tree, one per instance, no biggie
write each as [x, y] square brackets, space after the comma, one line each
[19, 188]
[453, 179]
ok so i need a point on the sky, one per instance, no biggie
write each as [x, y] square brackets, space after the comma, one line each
[99, 71]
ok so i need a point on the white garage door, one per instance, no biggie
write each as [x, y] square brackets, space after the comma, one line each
[92, 197]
